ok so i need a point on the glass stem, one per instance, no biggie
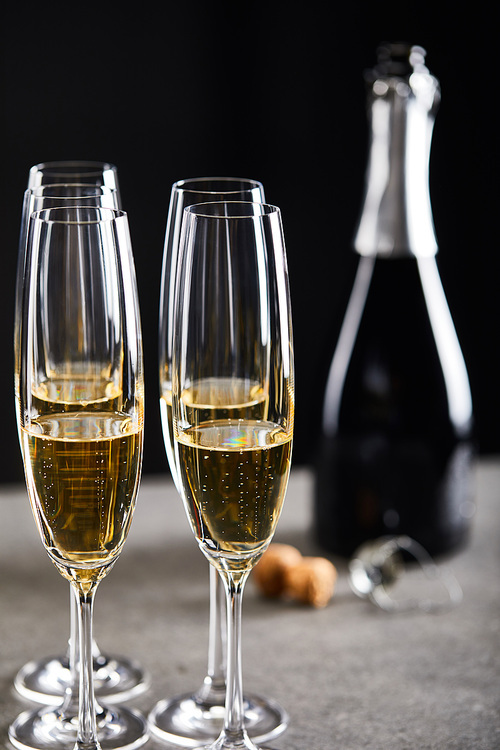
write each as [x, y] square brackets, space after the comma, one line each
[213, 690]
[234, 721]
[73, 636]
[73, 646]
[69, 706]
[87, 723]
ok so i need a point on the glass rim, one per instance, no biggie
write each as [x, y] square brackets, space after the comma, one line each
[259, 210]
[73, 163]
[181, 185]
[102, 214]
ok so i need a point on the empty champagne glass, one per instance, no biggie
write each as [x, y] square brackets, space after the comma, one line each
[47, 679]
[196, 717]
[80, 410]
[232, 401]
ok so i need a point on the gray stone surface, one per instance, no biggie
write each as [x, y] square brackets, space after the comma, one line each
[349, 675]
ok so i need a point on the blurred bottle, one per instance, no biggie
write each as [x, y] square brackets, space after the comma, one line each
[396, 446]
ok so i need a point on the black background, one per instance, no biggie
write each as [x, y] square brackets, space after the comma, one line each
[269, 91]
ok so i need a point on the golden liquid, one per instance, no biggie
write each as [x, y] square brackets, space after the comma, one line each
[210, 399]
[235, 477]
[77, 391]
[223, 398]
[83, 473]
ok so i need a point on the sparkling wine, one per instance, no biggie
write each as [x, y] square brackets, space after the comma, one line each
[209, 399]
[83, 471]
[396, 449]
[74, 391]
[236, 472]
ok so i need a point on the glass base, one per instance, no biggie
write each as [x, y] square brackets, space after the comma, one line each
[226, 743]
[185, 721]
[46, 680]
[47, 729]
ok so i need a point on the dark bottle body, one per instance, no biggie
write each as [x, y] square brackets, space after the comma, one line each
[396, 449]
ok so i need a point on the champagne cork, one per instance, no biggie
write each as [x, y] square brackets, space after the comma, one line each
[312, 581]
[283, 571]
[269, 573]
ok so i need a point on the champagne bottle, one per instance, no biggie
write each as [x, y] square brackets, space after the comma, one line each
[396, 448]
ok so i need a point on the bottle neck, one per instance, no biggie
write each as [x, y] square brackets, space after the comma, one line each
[396, 217]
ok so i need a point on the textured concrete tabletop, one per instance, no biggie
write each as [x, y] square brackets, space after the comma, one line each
[349, 675]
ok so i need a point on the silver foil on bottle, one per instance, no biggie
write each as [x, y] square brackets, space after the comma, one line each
[396, 217]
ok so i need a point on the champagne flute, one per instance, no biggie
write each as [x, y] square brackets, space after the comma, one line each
[48, 679]
[232, 401]
[80, 412]
[194, 718]
[50, 196]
